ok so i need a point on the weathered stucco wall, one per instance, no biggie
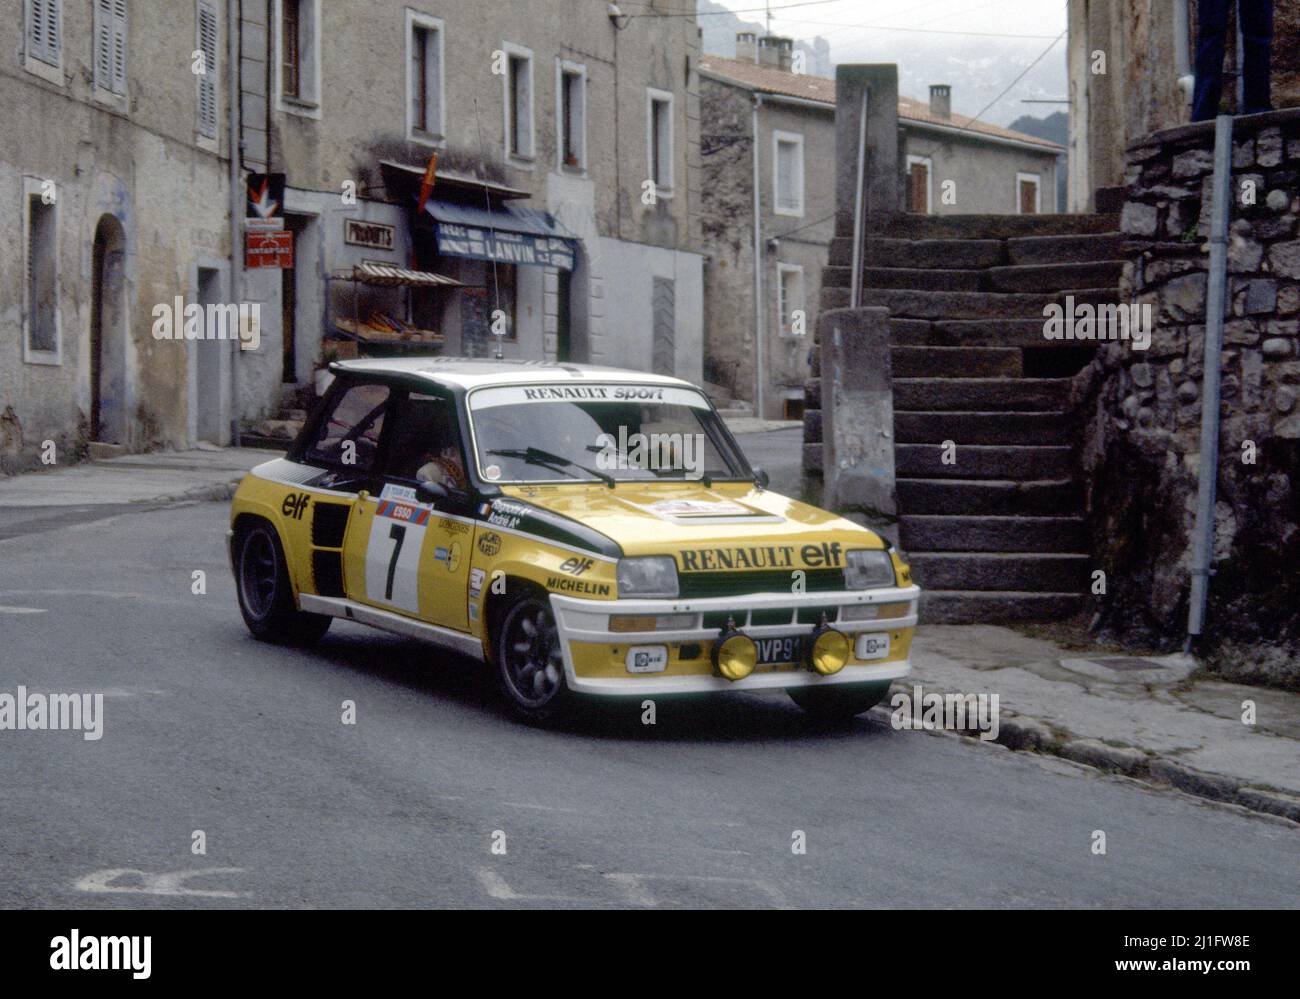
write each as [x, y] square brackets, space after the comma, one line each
[133, 159]
[1143, 407]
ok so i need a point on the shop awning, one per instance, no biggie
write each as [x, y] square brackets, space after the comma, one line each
[507, 233]
[388, 276]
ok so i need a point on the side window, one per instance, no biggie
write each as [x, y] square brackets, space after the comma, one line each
[348, 434]
[425, 443]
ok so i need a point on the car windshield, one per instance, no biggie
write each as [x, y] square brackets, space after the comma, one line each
[532, 433]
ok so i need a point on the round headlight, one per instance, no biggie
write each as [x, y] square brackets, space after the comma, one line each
[734, 656]
[830, 651]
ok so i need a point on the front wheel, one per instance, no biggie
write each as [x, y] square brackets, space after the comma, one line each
[530, 663]
[265, 594]
[839, 702]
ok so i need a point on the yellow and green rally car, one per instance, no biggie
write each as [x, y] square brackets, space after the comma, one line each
[584, 530]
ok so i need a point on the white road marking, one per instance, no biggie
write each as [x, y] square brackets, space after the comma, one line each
[497, 887]
[23, 610]
[168, 883]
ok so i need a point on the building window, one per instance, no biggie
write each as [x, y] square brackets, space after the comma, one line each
[572, 111]
[519, 102]
[41, 273]
[659, 140]
[1028, 201]
[298, 68]
[208, 38]
[424, 79]
[787, 177]
[789, 298]
[110, 46]
[43, 52]
[918, 184]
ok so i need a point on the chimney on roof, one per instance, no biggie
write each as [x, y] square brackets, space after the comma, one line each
[775, 51]
[747, 46]
[941, 100]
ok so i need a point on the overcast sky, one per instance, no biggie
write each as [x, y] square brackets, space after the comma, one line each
[846, 21]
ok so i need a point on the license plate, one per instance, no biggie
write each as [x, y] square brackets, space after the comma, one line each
[780, 649]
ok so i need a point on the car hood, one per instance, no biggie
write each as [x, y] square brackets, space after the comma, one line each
[671, 518]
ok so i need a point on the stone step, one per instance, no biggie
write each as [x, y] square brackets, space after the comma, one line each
[931, 427]
[923, 253]
[988, 606]
[956, 362]
[1001, 497]
[1055, 277]
[979, 394]
[906, 278]
[905, 225]
[965, 333]
[957, 533]
[1038, 572]
[1063, 249]
[908, 304]
[983, 461]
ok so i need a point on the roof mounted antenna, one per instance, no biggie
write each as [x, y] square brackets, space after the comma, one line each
[487, 203]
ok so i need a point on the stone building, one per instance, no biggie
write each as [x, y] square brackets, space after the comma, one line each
[948, 164]
[114, 182]
[1130, 70]
[565, 197]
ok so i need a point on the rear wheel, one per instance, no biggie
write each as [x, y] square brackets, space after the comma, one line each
[839, 702]
[530, 663]
[265, 594]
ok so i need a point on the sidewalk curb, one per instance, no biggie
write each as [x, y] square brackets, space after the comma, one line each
[1024, 734]
[199, 494]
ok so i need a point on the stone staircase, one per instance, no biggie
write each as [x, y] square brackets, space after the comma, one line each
[996, 531]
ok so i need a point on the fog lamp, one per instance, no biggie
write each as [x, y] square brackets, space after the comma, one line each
[828, 651]
[734, 654]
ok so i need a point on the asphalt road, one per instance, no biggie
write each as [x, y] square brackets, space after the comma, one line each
[206, 729]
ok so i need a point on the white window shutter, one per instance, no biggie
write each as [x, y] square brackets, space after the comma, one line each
[43, 31]
[785, 174]
[208, 81]
[119, 46]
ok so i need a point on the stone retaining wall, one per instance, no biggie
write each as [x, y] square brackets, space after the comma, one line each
[1142, 408]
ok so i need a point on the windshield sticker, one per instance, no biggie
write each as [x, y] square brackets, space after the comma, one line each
[650, 395]
[492, 472]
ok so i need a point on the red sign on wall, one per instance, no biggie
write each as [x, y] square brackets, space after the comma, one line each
[268, 249]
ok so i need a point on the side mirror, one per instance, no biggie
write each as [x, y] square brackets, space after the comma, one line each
[761, 478]
[427, 492]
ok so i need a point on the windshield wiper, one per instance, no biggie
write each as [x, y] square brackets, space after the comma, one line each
[535, 456]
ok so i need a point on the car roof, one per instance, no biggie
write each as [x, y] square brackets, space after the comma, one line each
[471, 372]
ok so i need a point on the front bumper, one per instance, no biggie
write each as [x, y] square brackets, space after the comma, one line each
[591, 649]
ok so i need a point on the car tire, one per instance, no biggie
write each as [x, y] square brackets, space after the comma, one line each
[839, 702]
[265, 593]
[529, 661]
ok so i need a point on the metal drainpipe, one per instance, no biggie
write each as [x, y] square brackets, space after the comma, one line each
[759, 312]
[234, 11]
[855, 280]
[1203, 539]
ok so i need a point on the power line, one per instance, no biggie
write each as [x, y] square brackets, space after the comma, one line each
[1023, 74]
[748, 10]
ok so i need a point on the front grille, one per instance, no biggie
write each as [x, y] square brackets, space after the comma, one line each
[731, 584]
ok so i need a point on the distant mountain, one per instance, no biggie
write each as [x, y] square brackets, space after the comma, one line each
[1054, 128]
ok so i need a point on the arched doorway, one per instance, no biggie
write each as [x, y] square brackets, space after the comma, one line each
[108, 388]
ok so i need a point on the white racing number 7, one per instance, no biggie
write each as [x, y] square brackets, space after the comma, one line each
[393, 554]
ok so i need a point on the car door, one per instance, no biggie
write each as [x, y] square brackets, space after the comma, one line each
[410, 551]
[342, 445]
